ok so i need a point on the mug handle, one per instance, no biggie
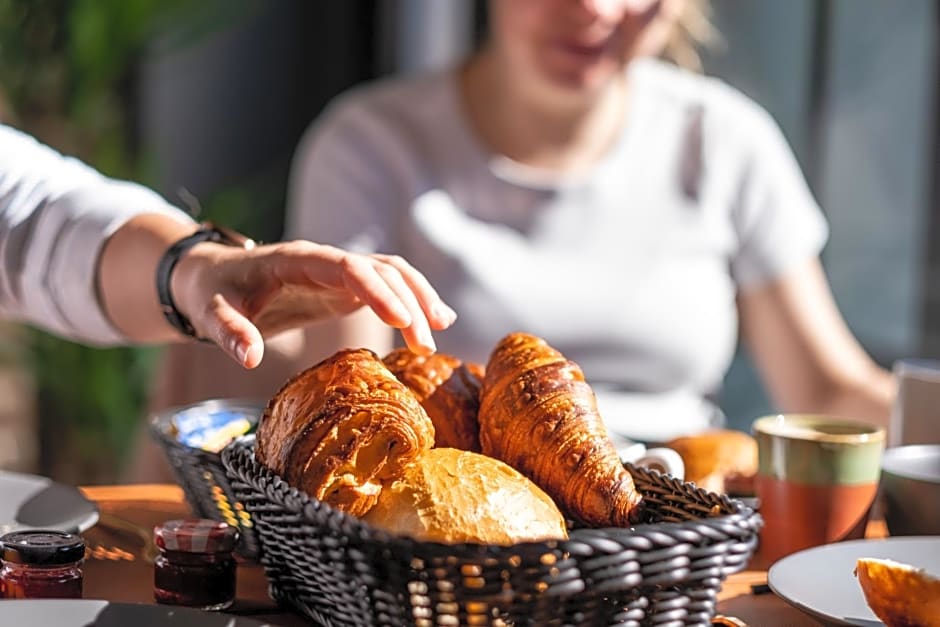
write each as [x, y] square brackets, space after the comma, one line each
[665, 460]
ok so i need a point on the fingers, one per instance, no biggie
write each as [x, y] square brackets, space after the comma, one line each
[417, 333]
[426, 309]
[377, 286]
[233, 333]
[381, 287]
[438, 313]
[400, 295]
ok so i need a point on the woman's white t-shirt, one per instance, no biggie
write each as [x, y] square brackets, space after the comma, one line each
[630, 269]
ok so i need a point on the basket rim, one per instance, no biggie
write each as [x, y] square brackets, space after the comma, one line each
[741, 517]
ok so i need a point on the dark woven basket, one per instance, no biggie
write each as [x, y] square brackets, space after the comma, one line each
[201, 474]
[338, 570]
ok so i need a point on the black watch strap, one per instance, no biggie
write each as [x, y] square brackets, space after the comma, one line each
[207, 232]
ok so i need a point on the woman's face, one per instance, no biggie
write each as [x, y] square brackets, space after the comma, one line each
[579, 44]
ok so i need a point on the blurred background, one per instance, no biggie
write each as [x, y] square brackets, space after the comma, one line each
[206, 99]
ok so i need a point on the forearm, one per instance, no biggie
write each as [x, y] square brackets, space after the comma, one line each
[127, 276]
[867, 395]
[807, 356]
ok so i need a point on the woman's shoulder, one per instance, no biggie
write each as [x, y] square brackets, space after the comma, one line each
[393, 100]
[389, 124]
[678, 89]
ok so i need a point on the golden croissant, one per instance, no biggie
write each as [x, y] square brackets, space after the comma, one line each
[539, 415]
[449, 391]
[341, 428]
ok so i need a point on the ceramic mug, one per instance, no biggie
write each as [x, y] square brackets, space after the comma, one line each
[816, 481]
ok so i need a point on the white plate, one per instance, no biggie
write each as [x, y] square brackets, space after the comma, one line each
[821, 581]
[92, 613]
[33, 502]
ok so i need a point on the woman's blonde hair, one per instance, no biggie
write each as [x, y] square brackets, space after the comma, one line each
[693, 30]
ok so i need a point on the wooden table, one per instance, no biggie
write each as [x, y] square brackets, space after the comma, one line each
[117, 569]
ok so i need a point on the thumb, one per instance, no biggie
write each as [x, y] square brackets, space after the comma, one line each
[233, 332]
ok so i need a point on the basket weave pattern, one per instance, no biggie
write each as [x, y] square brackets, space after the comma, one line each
[203, 477]
[340, 571]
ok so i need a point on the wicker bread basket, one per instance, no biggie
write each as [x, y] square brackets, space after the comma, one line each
[338, 570]
[200, 472]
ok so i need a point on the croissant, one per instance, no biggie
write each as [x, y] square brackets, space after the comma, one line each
[341, 428]
[539, 415]
[449, 391]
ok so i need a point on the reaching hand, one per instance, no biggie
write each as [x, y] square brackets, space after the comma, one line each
[235, 297]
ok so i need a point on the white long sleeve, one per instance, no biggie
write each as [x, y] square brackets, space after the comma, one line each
[56, 213]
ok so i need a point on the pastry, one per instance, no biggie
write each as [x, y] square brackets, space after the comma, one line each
[720, 460]
[448, 390]
[539, 415]
[341, 428]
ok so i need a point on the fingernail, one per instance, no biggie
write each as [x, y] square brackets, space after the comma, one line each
[427, 340]
[404, 316]
[443, 312]
[250, 357]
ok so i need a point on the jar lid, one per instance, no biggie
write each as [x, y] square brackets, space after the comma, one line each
[195, 535]
[42, 547]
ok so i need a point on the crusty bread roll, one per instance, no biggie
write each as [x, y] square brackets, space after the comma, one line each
[449, 391]
[899, 594]
[341, 428]
[720, 460]
[453, 496]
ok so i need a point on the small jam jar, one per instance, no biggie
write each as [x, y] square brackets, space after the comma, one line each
[41, 564]
[195, 566]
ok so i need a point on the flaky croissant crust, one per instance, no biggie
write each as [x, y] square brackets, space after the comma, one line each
[539, 415]
[449, 391]
[341, 428]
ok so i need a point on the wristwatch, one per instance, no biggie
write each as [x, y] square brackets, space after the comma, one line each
[207, 232]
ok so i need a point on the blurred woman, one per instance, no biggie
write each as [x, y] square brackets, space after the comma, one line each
[568, 181]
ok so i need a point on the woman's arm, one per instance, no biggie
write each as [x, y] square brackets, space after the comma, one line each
[235, 296]
[56, 214]
[80, 252]
[807, 356]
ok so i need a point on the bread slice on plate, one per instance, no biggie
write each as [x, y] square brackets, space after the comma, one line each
[899, 594]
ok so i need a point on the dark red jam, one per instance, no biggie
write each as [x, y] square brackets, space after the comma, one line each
[40, 564]
[195, 567]
[203, 580]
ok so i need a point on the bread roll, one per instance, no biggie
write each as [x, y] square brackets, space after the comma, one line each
[453, 496]
[449, 391]
[720, 460]
[341, 428]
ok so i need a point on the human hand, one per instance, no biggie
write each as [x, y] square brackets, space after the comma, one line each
[235, 297]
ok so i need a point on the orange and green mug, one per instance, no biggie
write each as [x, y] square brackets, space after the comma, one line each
[817, 479]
